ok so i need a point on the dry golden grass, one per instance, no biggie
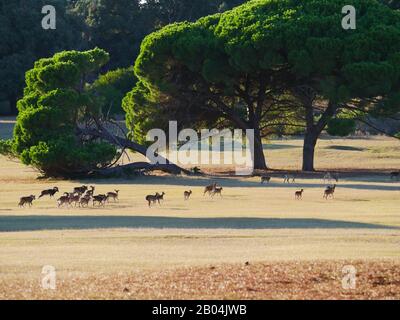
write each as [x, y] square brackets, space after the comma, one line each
[98, 252]
[280, 280]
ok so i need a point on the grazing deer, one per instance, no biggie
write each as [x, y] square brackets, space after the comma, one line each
[209, 189]
[299, 194]
[63, 200]
[80, 190]
[74, 199]
[100, 199]
[152, 198]
[160, 197]
[395, 175]
[113, 195]
[217, 191]
[49, 192]
[90, 192]
[266, 179]
[187, 194]
[84, 202]
[26, 200]
[330, 192]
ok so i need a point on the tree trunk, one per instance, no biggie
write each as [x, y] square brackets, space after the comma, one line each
[125, 143]
[258, 155]
[310, 141]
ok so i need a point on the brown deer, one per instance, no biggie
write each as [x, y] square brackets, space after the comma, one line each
[299, 194]
[63, 200]
[160, 197]
[90, 192]
[217, 191]
[187, 194]
[84, 202]
[80, 190]
[265, 179]
[152, 199]
[330, 192]
[113, 195]
[100, 199]
[74, 199]
[26, 200]
[49, 192]
[209, 189]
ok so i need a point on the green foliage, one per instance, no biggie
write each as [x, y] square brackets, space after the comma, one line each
[341, 127]
[23, 40]
[6, 147]
[54, 104]
[286, 43]
[112, 88]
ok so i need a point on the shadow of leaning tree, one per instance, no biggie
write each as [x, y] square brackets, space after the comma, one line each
[60, 128]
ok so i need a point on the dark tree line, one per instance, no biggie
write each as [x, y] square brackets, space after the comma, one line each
[115, 26]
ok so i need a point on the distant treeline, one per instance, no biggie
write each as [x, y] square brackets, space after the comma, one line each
[116, 26]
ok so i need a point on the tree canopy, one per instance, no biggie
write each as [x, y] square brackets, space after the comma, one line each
[55, 103]
[112, 87]
[266, 58]
[115, 26]
[23, 41]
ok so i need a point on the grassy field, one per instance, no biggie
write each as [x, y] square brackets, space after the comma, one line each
[212, 248]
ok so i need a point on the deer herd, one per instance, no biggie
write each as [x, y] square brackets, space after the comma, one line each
[84, 196]
[80, 196]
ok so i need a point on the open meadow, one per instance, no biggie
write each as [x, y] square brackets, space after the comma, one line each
[256, 241]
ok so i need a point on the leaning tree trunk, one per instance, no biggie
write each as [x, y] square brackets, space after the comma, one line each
[102, 133]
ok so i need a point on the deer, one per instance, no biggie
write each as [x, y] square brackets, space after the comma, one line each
[90, 192]
[330, 192]
[63, 200]
[160, 197]
[113, 195]
[209, 189]
[299, 194]
[80, 190]
[217, 191]
[100, 199]
[152, 198]
[26, 200]
[84, 202]
[266, 179]
[49, 192]
[187, 194]
[74, 199]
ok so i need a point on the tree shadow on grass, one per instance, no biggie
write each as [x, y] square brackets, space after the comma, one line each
[36, 223]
